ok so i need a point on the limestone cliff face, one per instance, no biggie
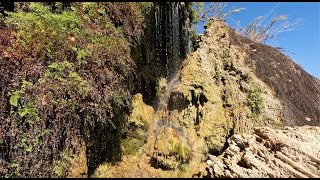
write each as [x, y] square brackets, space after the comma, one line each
[204, 110]
[212, 99]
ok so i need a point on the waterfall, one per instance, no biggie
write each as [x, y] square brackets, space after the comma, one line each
[165, 43]
[169, 38]
[171, 35]
[172, 45]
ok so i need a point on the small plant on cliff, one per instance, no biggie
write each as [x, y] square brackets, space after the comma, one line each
[214, 10]
[255, 100]
[219, 75]
[161, 88]
[195, 39]
[61, 165]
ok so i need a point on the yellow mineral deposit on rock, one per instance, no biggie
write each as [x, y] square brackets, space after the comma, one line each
[141, 114]
[138, 125]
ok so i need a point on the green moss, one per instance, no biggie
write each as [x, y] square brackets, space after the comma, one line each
[131, 146]
[214, 123]
[14, 169]
[171, 151]
[30, 112]
[39, 135]
[245, 77]
[276, 123]
[195, 39]
[65, 72]
[137, 125]
[219, 75]
[15, 96]
[181, 151]
[77, 60]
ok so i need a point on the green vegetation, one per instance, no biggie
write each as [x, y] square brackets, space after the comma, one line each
[180, 151]
[219, 75]
[255, 100]
[61, 166]
[65, 75]
[245, 77]
[195, 37]
[14, 169]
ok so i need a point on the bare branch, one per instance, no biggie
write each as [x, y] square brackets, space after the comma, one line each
[258, 32]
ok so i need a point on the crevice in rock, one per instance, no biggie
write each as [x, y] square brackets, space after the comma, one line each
[243, 164]
[155, 163]
[218, 152]
[177, 102]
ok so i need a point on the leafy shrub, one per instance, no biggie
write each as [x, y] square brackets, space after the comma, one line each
[195, 37]
[129, 16]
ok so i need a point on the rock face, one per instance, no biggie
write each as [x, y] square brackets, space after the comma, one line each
[137, 125]
[204, 109]
[218, 94]
[292, 152]
[170, 150]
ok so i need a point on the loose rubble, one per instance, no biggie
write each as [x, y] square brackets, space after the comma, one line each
[292, 152]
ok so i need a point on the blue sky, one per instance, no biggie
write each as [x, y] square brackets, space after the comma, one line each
[301, 44]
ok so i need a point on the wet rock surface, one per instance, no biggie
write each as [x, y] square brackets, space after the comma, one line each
[211, 106]
[170, 150]
[292, 152]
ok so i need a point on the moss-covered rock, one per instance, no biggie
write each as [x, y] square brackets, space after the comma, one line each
[171, 151]
[205, 111]
[137, 126]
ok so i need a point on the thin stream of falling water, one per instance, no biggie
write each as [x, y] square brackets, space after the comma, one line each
[163, 103]
[163, 121]
[172, 44]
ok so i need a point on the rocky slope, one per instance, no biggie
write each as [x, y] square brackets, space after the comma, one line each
[218, 94]
[203, 124]
[134, 102]
[292, 152]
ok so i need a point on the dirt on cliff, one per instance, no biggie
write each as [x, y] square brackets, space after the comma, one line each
[298, 91]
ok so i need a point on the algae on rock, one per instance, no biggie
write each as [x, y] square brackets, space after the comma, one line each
[170, 150]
